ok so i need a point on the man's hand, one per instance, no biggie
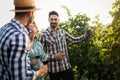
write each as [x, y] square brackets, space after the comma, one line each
[88, 33]
[59, 56]
[43, 69]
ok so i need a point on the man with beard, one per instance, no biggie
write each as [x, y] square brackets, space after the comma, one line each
[15, 44]
[54, 41]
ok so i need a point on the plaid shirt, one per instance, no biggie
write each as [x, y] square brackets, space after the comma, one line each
[14, 46]
[55, 43]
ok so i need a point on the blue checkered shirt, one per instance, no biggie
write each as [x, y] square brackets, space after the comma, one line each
[14, 47]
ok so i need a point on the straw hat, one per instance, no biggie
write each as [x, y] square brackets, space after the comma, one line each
[24, 6]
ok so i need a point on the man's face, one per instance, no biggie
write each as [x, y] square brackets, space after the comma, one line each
[31, 18]
[53, 20]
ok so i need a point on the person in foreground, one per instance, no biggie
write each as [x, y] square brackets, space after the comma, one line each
[54, 41]
[15, 44]
[36, 54]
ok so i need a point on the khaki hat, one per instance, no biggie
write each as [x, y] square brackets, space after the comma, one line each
[24, 6]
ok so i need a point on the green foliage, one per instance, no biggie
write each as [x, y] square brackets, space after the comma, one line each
[68, 11]
[98, 57]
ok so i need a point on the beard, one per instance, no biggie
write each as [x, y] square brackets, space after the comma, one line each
[53, 25]
[30, 20]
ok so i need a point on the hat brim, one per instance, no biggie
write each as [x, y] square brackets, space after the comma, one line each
[26, 10]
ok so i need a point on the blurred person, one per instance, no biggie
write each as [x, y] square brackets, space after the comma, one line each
[15, 44]
[36, 53]
[54, 41]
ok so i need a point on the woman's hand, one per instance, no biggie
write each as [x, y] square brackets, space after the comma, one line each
[34, 61]
[33, 31]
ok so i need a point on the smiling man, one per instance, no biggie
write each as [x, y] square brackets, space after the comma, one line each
[54, 41]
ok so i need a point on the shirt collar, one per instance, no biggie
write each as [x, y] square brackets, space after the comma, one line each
[20, 26]
[50, 30]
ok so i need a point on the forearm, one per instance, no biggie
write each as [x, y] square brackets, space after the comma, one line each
[41, 71]
[76, 39]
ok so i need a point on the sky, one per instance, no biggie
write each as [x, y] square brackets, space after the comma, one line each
[89, 7]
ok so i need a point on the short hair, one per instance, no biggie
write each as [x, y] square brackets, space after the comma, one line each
[53, 13]
[20, 14]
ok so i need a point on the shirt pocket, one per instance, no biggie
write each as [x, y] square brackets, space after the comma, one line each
[50, 40]
[62, 38]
